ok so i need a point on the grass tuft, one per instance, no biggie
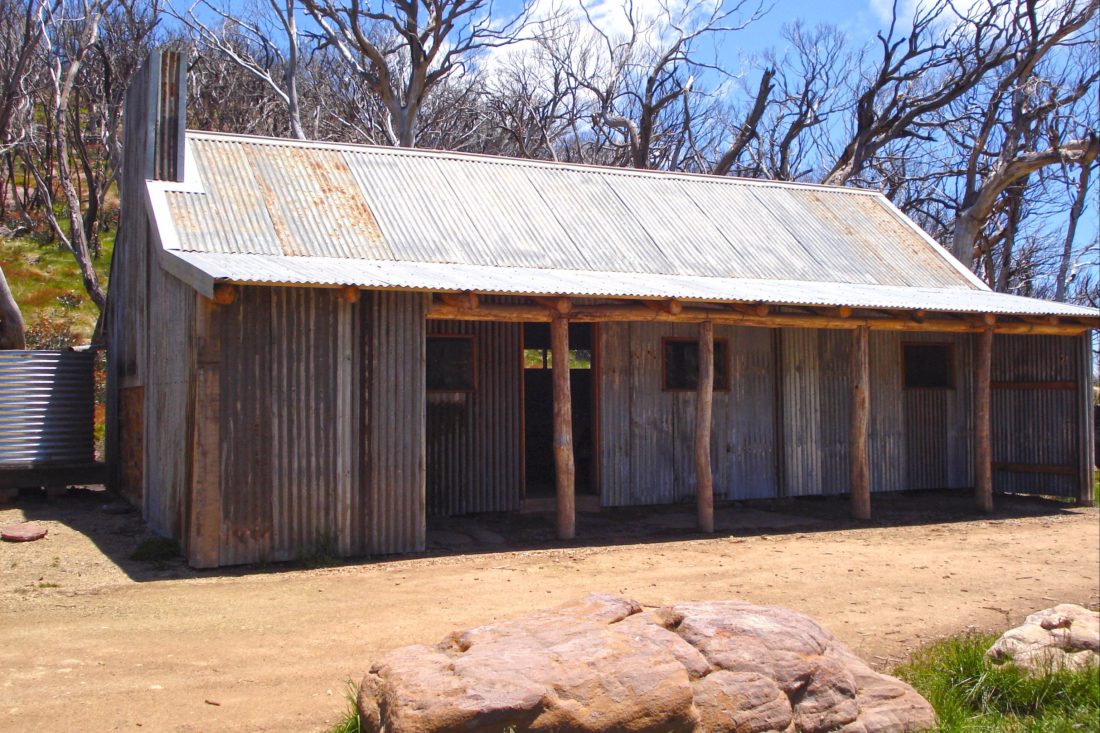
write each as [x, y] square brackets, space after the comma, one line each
[350, 723]
[970, 693]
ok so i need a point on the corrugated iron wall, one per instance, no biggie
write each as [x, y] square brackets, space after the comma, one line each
[280, 433]
[939, 423]
[816, 406]
[46, 408]
[474, 448]
[1036, 414]
[646, 435]
[886, 441]
[393, 511]
[150, 315]
[321, 424]
[918, 438]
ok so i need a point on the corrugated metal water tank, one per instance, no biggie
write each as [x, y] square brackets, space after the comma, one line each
[47, 408]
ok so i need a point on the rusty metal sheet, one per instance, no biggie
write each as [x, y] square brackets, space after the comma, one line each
[273, 211]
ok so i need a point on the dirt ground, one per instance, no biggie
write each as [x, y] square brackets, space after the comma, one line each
[92, 640]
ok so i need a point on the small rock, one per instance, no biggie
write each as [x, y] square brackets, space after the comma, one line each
[1066, 636]
[24, 532]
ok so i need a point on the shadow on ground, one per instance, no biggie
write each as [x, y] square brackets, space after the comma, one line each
[117, 535]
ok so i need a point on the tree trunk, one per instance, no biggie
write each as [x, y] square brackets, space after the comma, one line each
[967, 228]
[1062, 284]
[13, 334]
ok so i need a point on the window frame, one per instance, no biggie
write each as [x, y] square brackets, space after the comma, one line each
[951, 362]
[718, 387]
[472, 339]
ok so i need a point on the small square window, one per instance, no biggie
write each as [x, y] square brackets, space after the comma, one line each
[449, 364]
[928, 366]
[680, 365]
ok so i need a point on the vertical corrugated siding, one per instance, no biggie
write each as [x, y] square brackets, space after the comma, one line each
[168, 403]
[393, 515]
[939, 423]
[647, 435]
[886, 442]
[474, 457]
[289, 424]
[919, 438]
[746, 428]
[1032, 425]
[816, 407]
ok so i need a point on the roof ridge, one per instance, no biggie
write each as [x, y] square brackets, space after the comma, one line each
[523, 162]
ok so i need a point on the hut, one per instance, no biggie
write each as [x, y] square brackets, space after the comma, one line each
[312, 342]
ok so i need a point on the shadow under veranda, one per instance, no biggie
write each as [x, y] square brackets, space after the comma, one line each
[118, 535]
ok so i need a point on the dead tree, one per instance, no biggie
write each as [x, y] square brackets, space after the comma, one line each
[69, 35]
[639, 83]
[402, 49]
[20, 35]
[920, 70]
[1065, 272]
[787, 138]
[265, 43]
[1026, 118]
[12, 330]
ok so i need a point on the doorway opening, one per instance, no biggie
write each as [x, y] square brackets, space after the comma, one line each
[538, 394]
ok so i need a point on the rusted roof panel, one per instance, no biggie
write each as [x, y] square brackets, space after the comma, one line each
[266, 210]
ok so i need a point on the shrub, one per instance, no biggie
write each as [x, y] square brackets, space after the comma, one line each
[47, 331]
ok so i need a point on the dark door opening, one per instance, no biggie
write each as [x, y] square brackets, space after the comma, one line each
[538, 393]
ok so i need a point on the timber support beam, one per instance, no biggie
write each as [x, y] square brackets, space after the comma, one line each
[983, 441]
[861, 407]
[563, 429]
[547, 309]
[704, 477]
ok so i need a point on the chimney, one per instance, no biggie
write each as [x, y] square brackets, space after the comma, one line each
[155, 118]
[171, 114]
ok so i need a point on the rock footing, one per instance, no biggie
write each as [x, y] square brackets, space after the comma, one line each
[604, 664]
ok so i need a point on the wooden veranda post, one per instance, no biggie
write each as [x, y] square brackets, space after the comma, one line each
[204, 542]
[704, 490]
[861, 407]
[983, 441]
[1086, 433]
[563, 427]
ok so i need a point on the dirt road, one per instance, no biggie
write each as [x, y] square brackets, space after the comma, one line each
[94, 641]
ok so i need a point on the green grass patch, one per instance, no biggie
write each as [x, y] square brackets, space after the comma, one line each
[970, 693]
[156, 549]
[46, 283]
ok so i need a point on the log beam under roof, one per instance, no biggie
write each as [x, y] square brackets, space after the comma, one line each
[899, 321]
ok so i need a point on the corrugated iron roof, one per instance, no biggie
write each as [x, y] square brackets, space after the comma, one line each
[427, 276]
[265, 210]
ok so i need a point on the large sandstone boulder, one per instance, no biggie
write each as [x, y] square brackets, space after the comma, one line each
[1064, 637]
[604, 664]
